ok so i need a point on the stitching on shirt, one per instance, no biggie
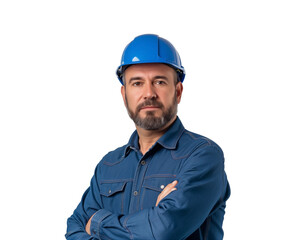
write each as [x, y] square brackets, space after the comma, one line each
[105, 237]
[180, 133]
[100, 221]
[122, 201]
[142, 196]
[116, 180]
[125, 226]
[140, 184]
[199, 143]
[198, 136]
[160, 176]
[190, 153]
[155, 189]
[113, 163]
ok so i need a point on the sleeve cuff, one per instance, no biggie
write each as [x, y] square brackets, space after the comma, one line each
[96, 220]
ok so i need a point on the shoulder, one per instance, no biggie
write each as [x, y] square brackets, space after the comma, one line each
[191, 142]
[113, 157]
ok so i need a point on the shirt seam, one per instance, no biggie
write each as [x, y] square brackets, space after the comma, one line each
[125, 226]
[99, 223]
[173, 146]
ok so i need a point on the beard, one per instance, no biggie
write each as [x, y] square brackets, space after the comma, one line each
[150, 121]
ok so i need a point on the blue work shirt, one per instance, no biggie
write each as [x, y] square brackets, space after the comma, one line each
[126, 184]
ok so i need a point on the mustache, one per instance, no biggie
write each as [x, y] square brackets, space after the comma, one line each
[149, 102]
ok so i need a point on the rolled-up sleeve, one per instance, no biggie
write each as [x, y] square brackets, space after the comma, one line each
[201, 189]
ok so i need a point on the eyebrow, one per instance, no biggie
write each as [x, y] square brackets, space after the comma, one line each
[161, 77]
[135, 79]
[155, 77]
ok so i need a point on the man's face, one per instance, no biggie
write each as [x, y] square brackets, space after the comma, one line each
[151, 95]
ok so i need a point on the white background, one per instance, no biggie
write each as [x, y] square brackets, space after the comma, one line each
[61, 108]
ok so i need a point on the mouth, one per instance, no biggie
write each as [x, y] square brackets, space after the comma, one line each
[150, 107]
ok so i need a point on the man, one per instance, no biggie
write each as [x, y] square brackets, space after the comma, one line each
[166, 183]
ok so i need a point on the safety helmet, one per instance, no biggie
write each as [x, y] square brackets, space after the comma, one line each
[150, 48]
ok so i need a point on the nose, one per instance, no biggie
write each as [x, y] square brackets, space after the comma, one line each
[149, 91]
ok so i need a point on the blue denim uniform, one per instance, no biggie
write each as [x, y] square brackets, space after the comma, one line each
[125, 186]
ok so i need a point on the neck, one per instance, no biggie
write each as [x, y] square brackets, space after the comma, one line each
[148, 137]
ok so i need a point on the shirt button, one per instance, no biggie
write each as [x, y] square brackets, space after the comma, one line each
[110, 191]
[162, 186]
[143, 162]
[135, 193]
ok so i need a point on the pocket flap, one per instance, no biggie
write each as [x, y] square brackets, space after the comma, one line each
[157, 183]
[108, 189]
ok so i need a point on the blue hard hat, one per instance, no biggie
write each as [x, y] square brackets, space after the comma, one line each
[150, 48]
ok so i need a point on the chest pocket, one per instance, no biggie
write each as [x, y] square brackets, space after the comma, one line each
[113, 196]
[152, 187]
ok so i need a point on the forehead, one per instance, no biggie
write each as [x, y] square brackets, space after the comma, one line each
[149, 69]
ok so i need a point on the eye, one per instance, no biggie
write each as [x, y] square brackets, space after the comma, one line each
[160, 82]
[137, 84]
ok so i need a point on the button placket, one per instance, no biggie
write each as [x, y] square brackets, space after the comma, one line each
[138, 181]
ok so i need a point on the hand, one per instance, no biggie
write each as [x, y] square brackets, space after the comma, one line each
[88, 226]
[168, 189]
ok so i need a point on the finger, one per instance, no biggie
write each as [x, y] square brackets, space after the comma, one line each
[168, 188]
[163, 194]
[172, 190]
[174, 183]
[171, 185]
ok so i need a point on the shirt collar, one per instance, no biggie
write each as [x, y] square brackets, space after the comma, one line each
[168, 140]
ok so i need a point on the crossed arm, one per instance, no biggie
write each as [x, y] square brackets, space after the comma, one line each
[168, 189]
[202, 186]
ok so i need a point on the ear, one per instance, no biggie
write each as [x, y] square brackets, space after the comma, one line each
[179, 91]
[123, 93]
